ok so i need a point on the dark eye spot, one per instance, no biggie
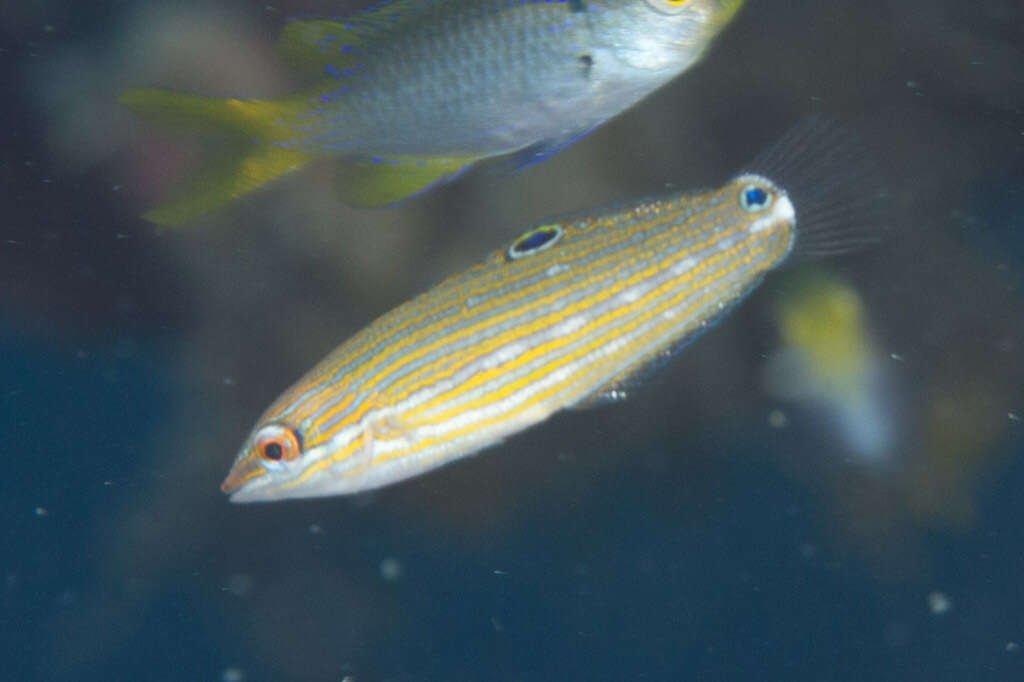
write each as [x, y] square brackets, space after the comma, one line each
[586, 61]
[754, 199]
[576, 6]
[273, 451]
[535, 240]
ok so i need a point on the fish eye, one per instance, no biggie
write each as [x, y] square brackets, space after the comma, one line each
[535, 241]
[276, 444]
[273, 451]
[755, 199]
[669, 6]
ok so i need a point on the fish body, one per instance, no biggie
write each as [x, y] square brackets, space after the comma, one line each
[488, 77]
[504, 345]
[561, 317]
[409, 93]
[829, 361]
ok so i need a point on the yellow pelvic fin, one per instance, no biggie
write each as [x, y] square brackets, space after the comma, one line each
[370, 183]
[247, 159]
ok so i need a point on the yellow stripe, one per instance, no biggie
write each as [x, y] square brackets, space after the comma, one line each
[533, 377]
[491, 302]
[599, 267]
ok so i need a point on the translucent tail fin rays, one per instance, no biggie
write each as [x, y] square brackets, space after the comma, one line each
[836, 187]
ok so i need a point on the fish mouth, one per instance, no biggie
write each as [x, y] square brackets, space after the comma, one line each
[237, 483]
[244, 495]
[230, 484]
[239, 492]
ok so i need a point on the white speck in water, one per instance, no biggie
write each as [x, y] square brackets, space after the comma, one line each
[41, 511]
[1011, 647]
[939, 603]
[390, 569]
[1013, 416]
[315, 529]
[232, 674]
[897, 357]
[777, 419]
[239, 584]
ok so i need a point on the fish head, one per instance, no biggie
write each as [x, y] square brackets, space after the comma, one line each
[288, 453]
[660, 35]
[270, 456]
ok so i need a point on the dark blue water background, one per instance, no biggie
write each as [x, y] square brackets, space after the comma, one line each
[675, 536]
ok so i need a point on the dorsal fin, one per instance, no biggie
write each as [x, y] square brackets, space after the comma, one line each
[314, 45]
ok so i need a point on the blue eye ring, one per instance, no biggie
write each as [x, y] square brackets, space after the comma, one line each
[754, 198]
[536, 240]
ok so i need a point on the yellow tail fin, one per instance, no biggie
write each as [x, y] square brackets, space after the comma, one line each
[249, 158]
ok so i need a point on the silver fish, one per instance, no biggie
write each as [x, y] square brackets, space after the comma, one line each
[409, 93]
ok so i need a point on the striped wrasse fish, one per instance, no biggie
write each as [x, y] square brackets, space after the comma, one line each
[407, 93]
[561, 317]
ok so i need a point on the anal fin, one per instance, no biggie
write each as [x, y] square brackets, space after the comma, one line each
[368, 183]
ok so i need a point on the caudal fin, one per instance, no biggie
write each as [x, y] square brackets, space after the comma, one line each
[247, 160]
[837, 188]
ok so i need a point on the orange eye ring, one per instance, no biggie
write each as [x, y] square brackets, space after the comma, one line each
[275, 444]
